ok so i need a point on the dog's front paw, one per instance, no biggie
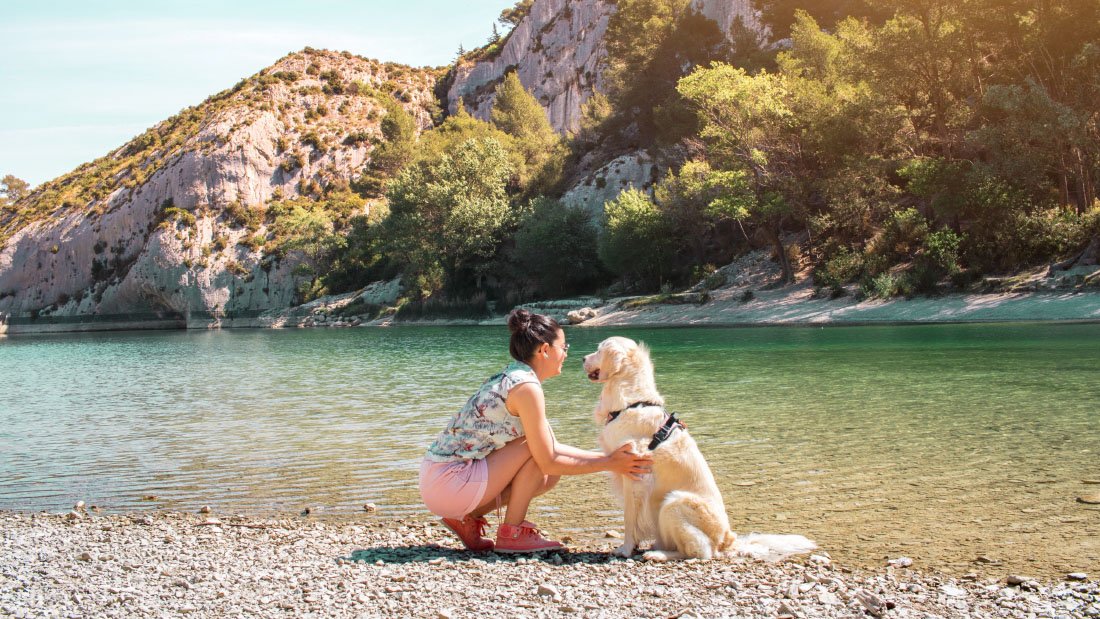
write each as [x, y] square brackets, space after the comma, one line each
[625, 551]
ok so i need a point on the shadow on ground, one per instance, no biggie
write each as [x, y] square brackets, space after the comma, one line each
[428, 552]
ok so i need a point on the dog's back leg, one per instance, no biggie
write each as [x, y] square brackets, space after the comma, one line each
[682, 524]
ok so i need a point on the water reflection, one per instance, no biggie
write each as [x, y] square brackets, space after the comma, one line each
[942, 442]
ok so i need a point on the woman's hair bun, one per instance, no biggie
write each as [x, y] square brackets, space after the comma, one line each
[529, 330]
[519, 321]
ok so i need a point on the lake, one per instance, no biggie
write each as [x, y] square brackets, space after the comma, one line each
[961, 446]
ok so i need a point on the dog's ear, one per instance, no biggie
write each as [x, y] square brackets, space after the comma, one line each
[612, 359]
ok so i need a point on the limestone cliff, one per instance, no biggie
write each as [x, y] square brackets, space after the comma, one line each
[557, 51]
[155, 228]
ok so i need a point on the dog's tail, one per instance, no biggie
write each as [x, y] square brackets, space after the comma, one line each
[772, 547]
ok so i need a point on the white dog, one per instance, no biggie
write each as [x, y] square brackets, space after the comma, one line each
[678, 504]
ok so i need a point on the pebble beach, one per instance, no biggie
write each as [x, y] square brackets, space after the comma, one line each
[157, 564]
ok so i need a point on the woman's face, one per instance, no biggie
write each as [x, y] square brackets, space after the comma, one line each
[556, 353]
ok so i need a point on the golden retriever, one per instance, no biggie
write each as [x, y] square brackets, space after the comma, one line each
[678, 504]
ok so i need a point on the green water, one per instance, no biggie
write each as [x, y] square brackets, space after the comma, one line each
[943, 443]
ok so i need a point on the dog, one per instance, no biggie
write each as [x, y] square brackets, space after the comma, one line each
[678, 504]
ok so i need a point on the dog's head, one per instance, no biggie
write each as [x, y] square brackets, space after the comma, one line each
[616, 357]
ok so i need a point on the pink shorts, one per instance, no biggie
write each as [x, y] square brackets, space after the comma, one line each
[453, 489]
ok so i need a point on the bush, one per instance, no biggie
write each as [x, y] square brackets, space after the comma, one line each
[844, 266]
[882, 286]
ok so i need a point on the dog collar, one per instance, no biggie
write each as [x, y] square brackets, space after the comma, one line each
[612, 415]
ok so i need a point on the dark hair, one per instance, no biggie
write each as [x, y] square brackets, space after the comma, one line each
[529, 330]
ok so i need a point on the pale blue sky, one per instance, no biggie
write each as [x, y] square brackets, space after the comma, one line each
[79, 78]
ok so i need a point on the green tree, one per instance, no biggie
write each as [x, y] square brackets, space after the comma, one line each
[650, 45]
[518, 114]
[449, 213]
[556, 246]
[513, 16]
[635, 243]
[12, 190]
[754, 144]
[399, 132]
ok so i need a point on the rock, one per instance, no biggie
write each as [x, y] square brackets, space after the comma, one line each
[576, 317]
[871, 602]
[613, 534]
[1077, 576]
[370, 507]
[1089, 499]
[952, 591]
[73, 516]
[1016, 580]
[829, 598]
[546, 590]
[820, 559]
[557, 55]
[205, 509]
[446, 613]
[900, 562]
[85, 556]
[79, 505]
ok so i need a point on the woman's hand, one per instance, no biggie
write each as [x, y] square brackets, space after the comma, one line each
[625, 462]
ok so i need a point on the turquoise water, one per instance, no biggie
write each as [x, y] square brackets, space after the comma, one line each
[943, 443]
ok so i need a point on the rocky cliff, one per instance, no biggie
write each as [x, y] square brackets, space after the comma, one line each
[557, 50]
[156, 230]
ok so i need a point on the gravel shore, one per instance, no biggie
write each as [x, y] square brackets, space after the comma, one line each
[201, 565]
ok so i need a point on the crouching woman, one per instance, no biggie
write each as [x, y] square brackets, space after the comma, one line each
[499, 448]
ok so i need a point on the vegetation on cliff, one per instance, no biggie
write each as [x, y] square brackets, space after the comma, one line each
[909, 147]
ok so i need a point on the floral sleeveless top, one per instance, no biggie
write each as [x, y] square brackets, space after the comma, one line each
[484, 424]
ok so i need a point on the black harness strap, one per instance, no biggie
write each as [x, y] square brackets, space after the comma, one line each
[670, 426]
[612, 415]
[666, 431]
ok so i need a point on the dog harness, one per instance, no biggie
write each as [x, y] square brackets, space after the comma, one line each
[666, 430]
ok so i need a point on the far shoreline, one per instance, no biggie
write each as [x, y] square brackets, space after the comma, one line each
[791, 306]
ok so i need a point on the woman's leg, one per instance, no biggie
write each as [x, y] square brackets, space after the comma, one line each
[516, 478]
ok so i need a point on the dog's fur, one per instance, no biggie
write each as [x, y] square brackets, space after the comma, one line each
[678, 504]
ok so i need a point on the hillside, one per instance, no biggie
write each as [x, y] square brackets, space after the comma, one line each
[596, 148]
[178, 223]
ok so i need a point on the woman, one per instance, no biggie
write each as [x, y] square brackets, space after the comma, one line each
[499, 449]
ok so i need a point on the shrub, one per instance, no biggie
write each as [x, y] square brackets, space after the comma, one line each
[314, 140]
[882, 286]
[844, 266]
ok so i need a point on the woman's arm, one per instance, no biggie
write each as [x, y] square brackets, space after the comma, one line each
[553, 458]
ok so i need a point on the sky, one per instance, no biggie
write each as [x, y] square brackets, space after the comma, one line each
[79, 78]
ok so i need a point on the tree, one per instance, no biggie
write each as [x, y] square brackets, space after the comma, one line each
[515, 15]
[518, 114]
[556, 247]
[754, 143]
[635, 243]
[650, 45]
[449, 212]
[399, 131]
[495, 36]
[12, 190]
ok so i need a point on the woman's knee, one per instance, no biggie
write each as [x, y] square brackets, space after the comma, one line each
[548, 483]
